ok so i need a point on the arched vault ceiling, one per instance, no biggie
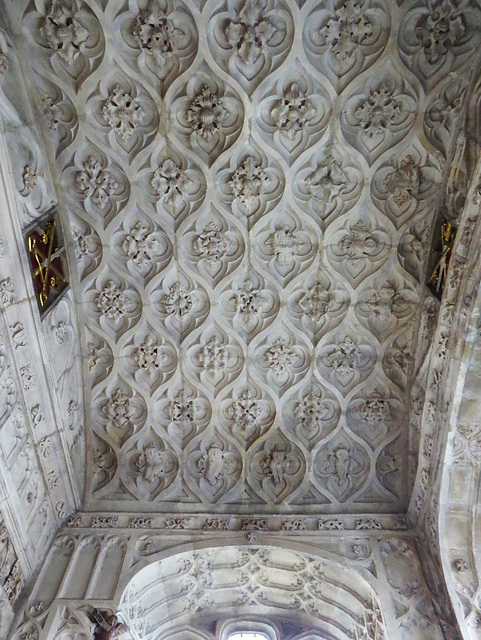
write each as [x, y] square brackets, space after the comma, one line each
[251, 188]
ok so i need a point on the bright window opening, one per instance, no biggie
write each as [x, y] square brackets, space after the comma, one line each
[248, 635]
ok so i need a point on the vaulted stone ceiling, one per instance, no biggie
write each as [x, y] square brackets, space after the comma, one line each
[252, 189]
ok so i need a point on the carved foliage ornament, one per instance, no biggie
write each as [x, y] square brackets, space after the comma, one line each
[63, 31]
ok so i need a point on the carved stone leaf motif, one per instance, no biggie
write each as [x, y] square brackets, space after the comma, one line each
[64, 32]
[285, 247]
[375, 414]
[413, 248]
[282, 360]
[251, 39]
[277, 468]
[347, 361]
[389, 467]
[251, 185]
[379, 114]
[342, 467]
[141, 247]
[247, 413]
[8, 387]
[398, 358]
[405, 185]
[122, 112]
[436, 37]
[359, 249]
[345, 38]
[386, 306]
[164, 37]
[250, 303]
[443, 113]
[114, 305]
[312, 414]
[150, 359]
[216, 358]
[151, 467]
[99, 357]
[181, 304]
[121, 410]
[208, 116]
[318, 306]
[294, 113]
[328, 184]
[215, 467]
[214, 246]
[96, 183]
[183, 412]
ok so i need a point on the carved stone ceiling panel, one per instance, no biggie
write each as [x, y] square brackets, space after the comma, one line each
[251, 187]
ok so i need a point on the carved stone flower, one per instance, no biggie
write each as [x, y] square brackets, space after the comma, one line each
[95, 183]
[178, 301]
[439, 29]
[378, 111]
[170, 182]
[206, 113]
[63, 32]
[251, 34]
[122, 112]
[293, 112]
[155, 34]
[213, 355]
[249, 301]
[245, 411]
[118, 409]
[327, 181]
[280, 357]
[211, 244]
[248, 182]
[141, 245]
[285, 244]
[149, 356]
[315, 301]
[111, 301]
[349, 28]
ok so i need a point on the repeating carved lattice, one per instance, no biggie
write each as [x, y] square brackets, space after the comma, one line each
[251, 188]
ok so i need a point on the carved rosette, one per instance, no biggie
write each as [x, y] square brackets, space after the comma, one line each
[213, 246]
[312, 414]
[141, 247]
[113, 304]
[436, 37]
[413, 248]
[161, 39]
[359, 249]
[247, 413]
[386, 306]
[282, 360]
[150, 466]
[174, 185]
[343, 39]
[294, 113]
[251, 39]
[375, 414]
[379, 114]
[405, 185]
[216, 358]
[277, 468]
[179, 303]
[250, 303]
[183, 411]
[346, 361]
[329, 184]
[119, 410]
[285, 247]
[251, 185]
[207, 116]
[318, 306]
[150, 359]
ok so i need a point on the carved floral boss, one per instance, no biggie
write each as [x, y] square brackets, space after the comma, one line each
[47, 261]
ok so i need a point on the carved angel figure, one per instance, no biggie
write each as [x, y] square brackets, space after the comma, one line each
[108, 625]
[276, 463]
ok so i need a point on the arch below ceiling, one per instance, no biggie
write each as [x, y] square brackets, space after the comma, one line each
[262, 581]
